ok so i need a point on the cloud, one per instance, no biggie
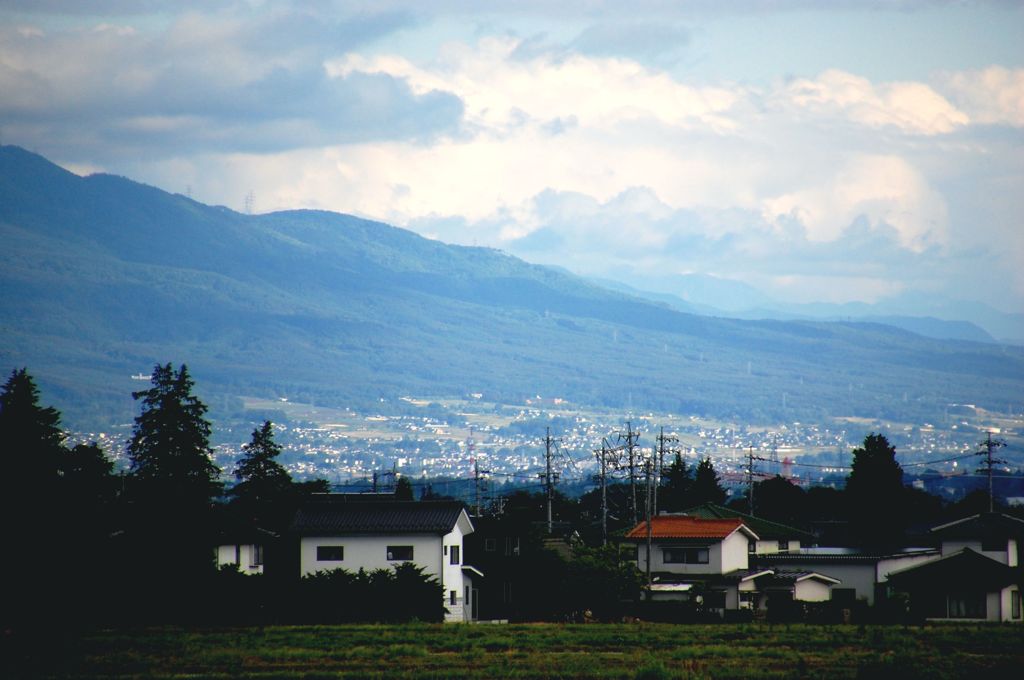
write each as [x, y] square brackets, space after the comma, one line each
[884, 190]
[907, 106]
[206, 83]
[993, 96]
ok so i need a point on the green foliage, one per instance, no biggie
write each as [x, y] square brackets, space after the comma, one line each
[403, 489]
[404, 593]
[707, 486]
[676, 482]
[875, 495]
[31, 437]
[319, 306]
[170, 445]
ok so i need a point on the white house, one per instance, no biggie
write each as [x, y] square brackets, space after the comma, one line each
[711, 557]
[342, 532]
[978, 575]
[772, 537]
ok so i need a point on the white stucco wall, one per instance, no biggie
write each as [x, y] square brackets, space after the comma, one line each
[226, 555]
[765, 547]
[724, 556]
[811, 590]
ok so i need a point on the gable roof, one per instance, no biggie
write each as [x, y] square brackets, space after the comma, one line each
[764, 528]
[988, 525]
[964, 569]
[688, 528]
[326, 516]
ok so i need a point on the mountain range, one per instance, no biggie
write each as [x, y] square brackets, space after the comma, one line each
[103, 277]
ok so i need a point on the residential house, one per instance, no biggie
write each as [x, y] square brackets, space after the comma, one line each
[862, 574]
[772, 537]
[978, 575]
[691, 556]
[336, 532]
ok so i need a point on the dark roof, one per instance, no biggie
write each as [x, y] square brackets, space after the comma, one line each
[764, 528]
[833, 556]
[963, 569]
[332, 516]
[988, 525]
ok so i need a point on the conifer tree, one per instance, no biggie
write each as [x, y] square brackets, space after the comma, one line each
[31, 440]
[170, 446]
[707, 487]
[874, 494]
[261, 479]
[677, 481]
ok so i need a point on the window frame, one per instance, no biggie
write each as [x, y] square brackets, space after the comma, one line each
[454, 555]
[393, 552]
[685, 554]
[323, 550]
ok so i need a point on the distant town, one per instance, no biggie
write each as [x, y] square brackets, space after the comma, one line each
[467, 448]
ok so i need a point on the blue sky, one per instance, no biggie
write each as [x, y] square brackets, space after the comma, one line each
[842, 151]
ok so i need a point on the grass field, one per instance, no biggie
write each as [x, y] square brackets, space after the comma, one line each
[539, 651]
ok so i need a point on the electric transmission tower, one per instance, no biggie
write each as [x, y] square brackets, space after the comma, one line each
[989, 462]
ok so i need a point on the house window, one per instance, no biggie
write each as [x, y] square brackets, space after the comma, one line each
[400, 553]
[238, 554]
[966, 606]
[490, 544]
[677, 555]
[844, 596]
[467, 595]
[454, 555]
[993, 545]
[453, 596]
[751, 547]
[330, 553]
[512, 545]
[783, 546]
[257, 556]
[1015, 604]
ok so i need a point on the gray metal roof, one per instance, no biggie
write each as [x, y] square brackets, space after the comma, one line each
[327, 516]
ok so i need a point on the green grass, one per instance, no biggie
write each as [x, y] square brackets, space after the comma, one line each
[535, 651]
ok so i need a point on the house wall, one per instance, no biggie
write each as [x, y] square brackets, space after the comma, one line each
[1007, 556]
[734, 553]
[226, 555]
[1006, 605]
[370, 552]
[812, 590]
[765, 547]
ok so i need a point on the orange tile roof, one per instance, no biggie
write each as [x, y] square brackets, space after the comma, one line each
[686, 527]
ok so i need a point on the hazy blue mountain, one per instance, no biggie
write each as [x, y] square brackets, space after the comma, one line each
[103, 277]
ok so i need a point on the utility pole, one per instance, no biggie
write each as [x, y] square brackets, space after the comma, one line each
[550, 479]
[990, 445]
[630, 438]
[750, 481]
[476, 484]
[375, 481]
[648, 478]
[660, 467]
[604, 456]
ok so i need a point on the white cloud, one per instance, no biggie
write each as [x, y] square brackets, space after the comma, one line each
[994, 95]
[885, 190]
[910, 107]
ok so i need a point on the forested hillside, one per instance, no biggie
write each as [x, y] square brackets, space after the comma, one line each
[102, 278]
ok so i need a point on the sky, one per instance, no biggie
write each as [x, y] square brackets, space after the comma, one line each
[820, 152]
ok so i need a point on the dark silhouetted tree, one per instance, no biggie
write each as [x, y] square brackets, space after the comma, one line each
[780, 500]
[172, 486]
[262, 480]
[31, 439]
[676, 483]
[403, 489]
[707, 487]
[874, 493]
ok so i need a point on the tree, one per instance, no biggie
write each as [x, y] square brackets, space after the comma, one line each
[31, 439]
[874, 493]
[170, 446]
[676, 485]
[707, 487]
[261, 479]
[172, 486]
[403, 489]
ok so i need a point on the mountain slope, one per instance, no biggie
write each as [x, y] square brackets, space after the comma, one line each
[103, 277]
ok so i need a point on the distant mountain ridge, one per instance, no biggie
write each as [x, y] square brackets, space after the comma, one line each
[103, 277]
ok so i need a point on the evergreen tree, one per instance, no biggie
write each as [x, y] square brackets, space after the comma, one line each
[170, 446]
[261, 479]
[676, 483]
[403, 489]
[707, 487]
[172, 485]
[31, 439]
[874, 494]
